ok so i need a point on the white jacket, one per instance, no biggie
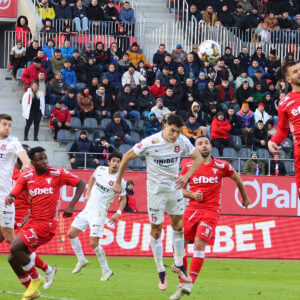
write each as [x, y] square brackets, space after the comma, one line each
[137, 76]
[160, 113]
[261, 116]
[27, 101]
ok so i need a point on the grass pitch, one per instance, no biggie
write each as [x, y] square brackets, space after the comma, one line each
[136, 279]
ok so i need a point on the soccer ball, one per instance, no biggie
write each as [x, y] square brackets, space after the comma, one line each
[209, 51]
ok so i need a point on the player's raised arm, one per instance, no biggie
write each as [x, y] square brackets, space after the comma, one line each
[237, 179]
[91, 183]
[25, 160]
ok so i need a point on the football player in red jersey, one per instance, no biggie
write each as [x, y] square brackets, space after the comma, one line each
[43, 184]
[203, 210]
[289, 117]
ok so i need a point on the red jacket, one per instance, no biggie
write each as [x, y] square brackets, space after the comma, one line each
[31, 73]
[220, 129]
[157, 92]
[62, 115]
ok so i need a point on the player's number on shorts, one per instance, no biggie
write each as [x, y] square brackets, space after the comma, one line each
[153, 218]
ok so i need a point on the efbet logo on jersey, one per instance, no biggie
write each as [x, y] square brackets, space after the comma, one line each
[176, 149]
[204, 179]
[295, 112]
[38, 191]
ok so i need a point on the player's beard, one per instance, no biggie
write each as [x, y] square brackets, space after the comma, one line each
[205, 154]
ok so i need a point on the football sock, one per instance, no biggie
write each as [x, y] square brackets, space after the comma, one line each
[39, 263]
[31, 270]
[25, 280]
[178, 242]
[185, 263]
[76, 245]
[157, 249]
[196, 264]
[101, 257]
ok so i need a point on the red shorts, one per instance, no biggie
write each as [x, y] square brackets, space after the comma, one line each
[297, 172]
[35, 235]
[200, 223]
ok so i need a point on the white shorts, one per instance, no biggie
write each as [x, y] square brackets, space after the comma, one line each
[7, 214]
[172, 202]
[95, 222]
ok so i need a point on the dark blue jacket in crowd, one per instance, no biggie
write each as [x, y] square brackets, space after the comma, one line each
[114, 78]
[84, 146]
[79, 13]
[151, 127]
[195, 68]
[63, 12]
[110, 128]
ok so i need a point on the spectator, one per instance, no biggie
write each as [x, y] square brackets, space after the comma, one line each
[33, 104]
[160, 110]
[233, 120]
[92, 71]
[245, 5]
[244, 57]
[113, 76]
[201, 82]
[245, 94]
[209, 16]
[210, 95]
[127, 14]
[253, 166]
[68, 75]
[178, 55]
[285, 22]
[227, 95]
[225, 16]
[191, 129]
[49, 49]
[239, 18]
[31, 52]
[159, 56]
[70, 102]
[80, 17]
[85, 104]
[58, 88]
[47, 28]
[270, 107]
[220, 132]
[152, 125]
[157, 90]
[195, 110]
[242, 78]
[277, 167]
[22, 30]
[133, 78]
[127, 104]
[274, 92]
[31, 73]
[171, 101]
[273, 63]
[46, 64]
[63, 11]
[109, 88]
[145, 102]
[60, 117]
[190, 94]
[270, 21]
[190, 67]
[236, 68]
[101, 56]
[84, 146]
[136, 54]
[260, 57]
[259, 79]
[114, 53]
[194, 12]
[260, 114]
[121, 37]
[110, 12]
[67, 50]
[130, 199]
[57, 61]
[180, 75]
[45, 11]
[222, 70]
[270, 129]
[164, 76]
[96, 17]
[87, 53]
[168, 63]
[17, 58]
[196, 56]
[259, 136]
[104, 149]
[102, 103]
[214, 76]
[43, 85]
[246, 121]
[93, 84]
[283, 88]
[228, 57]
[123, 64]
[117, 131]
[258, 95]
[79, 66]
[254, 18]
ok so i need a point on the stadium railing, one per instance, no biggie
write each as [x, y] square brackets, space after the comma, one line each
[179, 8]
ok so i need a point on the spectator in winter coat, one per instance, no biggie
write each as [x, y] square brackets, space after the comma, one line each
[132, 77]
[210, 95]
[58, 88]
[209, 16]
[123, 64]
[194, 12]
[222, 70]
[67, 50]
[253, 166]
[246, 120]
[233, 120]
[22, 30]
[270, 21]
[85, 104]
[80, 17]
[157, 90]
[87, 53]
[178, 55]
[101, 56]
[17, 58]
[220, 132]
[245, 94]
[164, 76]
[63, 11]
[121, 37]
[117, 131]
[45, 63]
[260, 114]
[228, 57]
[239, 18]
[102, 147]
[255, 67]
[114, 52]
[259, 136]
[237, 69]
[45, 11]
[102, 103]
[190, 94]
[60, 117]
[168, 63]
[258, 95]
[225, 16]
[201, 82]
[95, 15]
[70, 101]
[277, 167]
[91, 70]
[227, 95]
[244, 77]
[160, 110]
[145, 102]
[244, 57]
[136, 54]
[113, 76]
[127, 14]
[110, 12]
[191, 129]
[131, 202]
[79, 66]
[190, 67]
[152, 125]
[49, 49]
[171, 101]
[127, 104]
[195, 110]
[270, 107]
[31, 52]
[159, 56]
[57, 61]
[68, 75]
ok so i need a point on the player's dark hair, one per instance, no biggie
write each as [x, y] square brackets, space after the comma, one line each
[35, 150]
[286, 66]
[202, 136]
[115, 154]
[175, 120]
[5, 117]
[27, 149]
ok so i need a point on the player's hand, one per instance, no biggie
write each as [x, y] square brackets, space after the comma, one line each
[274, 148]
[117, 188]
[180, 182]
[114, 218]
[198, 196]
[68, 212]
[25, 167]
[9, 200]
[245, 201]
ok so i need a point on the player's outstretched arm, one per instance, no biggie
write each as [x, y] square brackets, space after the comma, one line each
[127, 157]
[25, 161]
[198, 195]
[68, 212]
[89, 188]
[239, 182]
[122, 204]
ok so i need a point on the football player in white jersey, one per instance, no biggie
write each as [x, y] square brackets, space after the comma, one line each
[163, 151]
[99, 196]
[10, 149]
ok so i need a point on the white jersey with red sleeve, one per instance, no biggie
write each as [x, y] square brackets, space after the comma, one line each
[44, 191]
[208, 179]
[289, 119]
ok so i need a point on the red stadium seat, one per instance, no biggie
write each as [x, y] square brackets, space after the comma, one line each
[83, 39]
[99, 38]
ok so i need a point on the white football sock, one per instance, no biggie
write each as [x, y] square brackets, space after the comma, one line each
[157, 249]
[178, 243]
[32, 257]
[76, 245]
[101, 258]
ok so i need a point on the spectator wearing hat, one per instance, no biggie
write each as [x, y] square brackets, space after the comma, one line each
[233, 120]
[191, 68]
[259, 79]
[57, 61]
[200, 116]
[220, 132]
[101, 56]
[158, 57]
[254, 18]
[17, 58]
[117, 131]
[63, 11]
[152, 124]
[194, 12]
[45, 11]
[80, 19]
[270, 107]
[209, 16]
[70, 101]
[210, 95]
[201, 82]
[214, 76]
[228, 57]
[130, 198]
[253, 166]
[68, 75]
[273, 63]
[160, 110]
[227, 95]
[60, 117]
[246, 121]
[67, 50]
[103, 103]
[260, 114]
[225, 16]
[110, 12]
[274, 92]
[121, 37]
[102, 147]
[85, 104]
[31, 52]
[259, 136]
[79, 66]
[244, 57]
[191, 129]
[87, 53]
[179, 55]
[132, 77]
[197, 59]
[82, 159]
[47, 29]
[297, 23]
[136, 54]
[277, 167]
[145, 102]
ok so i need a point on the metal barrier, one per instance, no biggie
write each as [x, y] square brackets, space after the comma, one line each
[179, 8]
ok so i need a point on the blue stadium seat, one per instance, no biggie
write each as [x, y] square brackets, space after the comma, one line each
[137, 164]
[124, 148]
[75, 123]
[263, 153]
[19, 73]
[229, 152]
[104, 122]
[64, 136]
[237, 141]
[283, 154]
[90, 123]
[140, 126]
[69, 145]
[290, 168]
[245, 152]
[129, 124]
[215, 152]
[238, 165]
[97, 135]
[135, 136]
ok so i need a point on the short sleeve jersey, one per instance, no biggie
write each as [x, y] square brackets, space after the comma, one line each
[9, 150]
[102, 193]
[44, 191]
[163, 159]
[208, 179]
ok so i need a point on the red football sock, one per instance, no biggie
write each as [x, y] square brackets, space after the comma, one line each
[185, 263]
[31, 270]
[39, 263]
[25, 280]
[196, 264]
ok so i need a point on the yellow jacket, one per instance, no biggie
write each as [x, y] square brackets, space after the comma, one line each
[46, 13]
[136, 57]
[190, 133]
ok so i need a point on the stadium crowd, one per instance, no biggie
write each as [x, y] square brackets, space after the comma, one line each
[234, 97]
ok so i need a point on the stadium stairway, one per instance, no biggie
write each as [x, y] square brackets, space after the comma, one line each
[10, 102]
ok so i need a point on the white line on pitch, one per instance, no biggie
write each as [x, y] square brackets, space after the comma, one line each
[42, 296]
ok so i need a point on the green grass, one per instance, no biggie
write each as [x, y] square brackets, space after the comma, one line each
[136, 279]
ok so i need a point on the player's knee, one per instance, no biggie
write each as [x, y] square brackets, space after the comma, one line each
[199, 244]
[156, 232]
[13, 249]
[71, 234]
[178, 227]
[94, 243]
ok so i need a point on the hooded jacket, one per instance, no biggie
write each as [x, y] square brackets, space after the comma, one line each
[67, 52]
[246, 120]
[22, 32]
[27, 101]
[61, 114]
[31, 73]
[220, 129]
[190, 130]
[69, 76]
[136, 57]
[151, 127]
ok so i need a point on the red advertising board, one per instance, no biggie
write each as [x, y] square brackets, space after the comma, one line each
[236, 236]
[8, 8]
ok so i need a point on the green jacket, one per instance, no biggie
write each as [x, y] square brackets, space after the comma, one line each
[57, 64]
[249, 167]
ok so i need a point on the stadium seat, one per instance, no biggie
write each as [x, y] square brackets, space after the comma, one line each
[129, 123]
[139, 126]
[77, 134]
[237, 142]
[137, 164]
[90, 123]
[283, 154]
[48, 110]
[229, 152]
[64, 136]
[99, 38]
[83, 39]
[19, 73]
[75, 123]
[263, 153]
[238, 165]
[97, 135]
[124, 148]
[135, 136]
[215, 152]
[104, 122]
[245, 152]
[290, 168]
[69, 145]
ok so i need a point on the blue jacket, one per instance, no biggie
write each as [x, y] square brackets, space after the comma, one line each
[195, 68]
[69, 76]
[67, 52]
[251, 71]
[127, 16]
[77, 13]
[151, 127]
[246, 120]
[47, 66]
[110, 128]
[84, 146]
[63, 12]
[114, 78]
[201, 85]
[49, 52]
[71, 104]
